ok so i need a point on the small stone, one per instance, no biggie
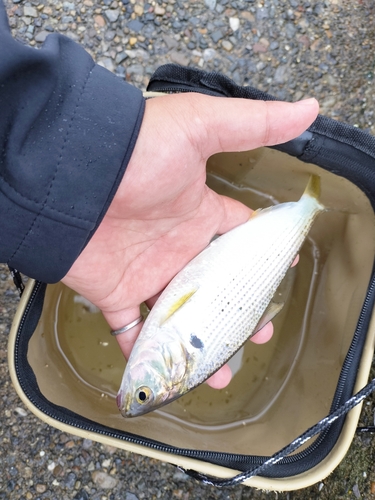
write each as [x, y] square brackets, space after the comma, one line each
[40, 488]
[20, 411]
[179, 58]
[81, 495]
[262, 13]
[179, 475]
[259, 48]
[159, 11]
[30, 11]
[70, 480]
[234, 23]
[209, 54]
[281, 74]
[138, 9]
[40, 37]
[211, 4]
[133, 40]
[57, 471]
[356, 491]
[227, 45]
[130, 496]
[135, 70]
[274, 45]
[109, 35]
[170, 42]
[112, 15]
[67, 19]
[304, 40]
[103, 480]
[107, 63]
[27, 473]
[121, 57]
[248, 16]
[135, 25]
[217, 35]
[99, 20]
[68, 6]
[328, 103]
[87, 444]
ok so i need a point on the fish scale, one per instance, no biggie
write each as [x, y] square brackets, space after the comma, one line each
[214, 304]
[243, 324]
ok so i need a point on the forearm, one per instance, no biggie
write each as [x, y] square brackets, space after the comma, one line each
[67, 131]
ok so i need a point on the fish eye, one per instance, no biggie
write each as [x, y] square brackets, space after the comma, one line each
[143, 395]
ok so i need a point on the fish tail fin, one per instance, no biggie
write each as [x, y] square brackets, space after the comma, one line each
[313, 187]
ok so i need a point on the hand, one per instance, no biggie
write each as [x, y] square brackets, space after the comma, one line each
[163, 214]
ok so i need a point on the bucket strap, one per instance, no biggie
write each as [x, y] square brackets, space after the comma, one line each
[293, 446]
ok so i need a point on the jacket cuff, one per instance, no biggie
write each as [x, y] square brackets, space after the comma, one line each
[92, 147]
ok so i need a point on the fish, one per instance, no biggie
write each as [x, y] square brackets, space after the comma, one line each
[216, 303]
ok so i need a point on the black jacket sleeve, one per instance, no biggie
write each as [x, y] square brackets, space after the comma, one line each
[67, 131]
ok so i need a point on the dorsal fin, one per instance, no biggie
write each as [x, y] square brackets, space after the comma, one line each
[178, 304]
[313, 187]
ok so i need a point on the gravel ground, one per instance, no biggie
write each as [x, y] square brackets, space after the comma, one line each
[290, 48]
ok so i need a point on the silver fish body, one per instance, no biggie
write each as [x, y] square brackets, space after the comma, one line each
[214, 304]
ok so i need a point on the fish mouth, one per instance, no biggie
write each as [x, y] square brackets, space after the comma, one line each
[120, 399]
[123, 404]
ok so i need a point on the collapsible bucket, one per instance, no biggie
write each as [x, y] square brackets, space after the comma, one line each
[67, 368]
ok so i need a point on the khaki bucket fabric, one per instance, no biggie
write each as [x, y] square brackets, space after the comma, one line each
[280, 388]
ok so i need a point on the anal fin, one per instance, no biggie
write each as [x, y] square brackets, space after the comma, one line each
[272, 310]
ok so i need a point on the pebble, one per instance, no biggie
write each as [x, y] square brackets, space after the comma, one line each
[159, 11]
[356, 491]
[227, 45]
[138, 10]
[179, 58]
[99, 20]
[217, 35]
[103, 480]
[112, 15]
[211, 4]
[30, 11]
[21, 411]
[234, 23]
[135, 25]
[130, 496]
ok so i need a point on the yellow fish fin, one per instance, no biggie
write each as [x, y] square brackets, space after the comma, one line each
[178, 304]
[313, 187]
[255, 213]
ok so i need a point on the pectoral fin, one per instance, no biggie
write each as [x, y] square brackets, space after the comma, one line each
[177, 305]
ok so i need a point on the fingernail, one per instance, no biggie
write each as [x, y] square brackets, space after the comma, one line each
[308, 102]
